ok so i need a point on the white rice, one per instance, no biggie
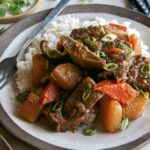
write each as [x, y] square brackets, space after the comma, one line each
[63, 26]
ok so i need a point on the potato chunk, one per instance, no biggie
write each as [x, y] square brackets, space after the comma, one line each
[111, 114]
[67, 76]
[31, 108]
[135, 109]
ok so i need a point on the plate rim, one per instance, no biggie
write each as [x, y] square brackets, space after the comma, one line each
[123, 12]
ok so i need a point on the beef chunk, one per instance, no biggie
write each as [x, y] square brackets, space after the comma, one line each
[90, 116]
[77, 95]
[135, 76]
[92, 34]
[76, 110]
[80, 54]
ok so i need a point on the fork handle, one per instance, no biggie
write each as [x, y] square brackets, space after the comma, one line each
[53, 13]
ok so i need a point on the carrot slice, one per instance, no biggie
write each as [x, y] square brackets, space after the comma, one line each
[120, 27]
[120, 91]
[49, 94]
[113, 51]
[136, 44]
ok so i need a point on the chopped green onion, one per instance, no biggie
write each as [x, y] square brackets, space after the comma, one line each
[136, 88]
[90, 131]
[130, 51]
[141, 91]
[13, 6]
[21, 97]
[89, 42]
[101, 54]
[57, 106]
[125, 124]
[15, 10]
[110, 37]
[129, 55]
[145, 69]
[87, 93]
[2, 12]
[97, 53]
[110, 66]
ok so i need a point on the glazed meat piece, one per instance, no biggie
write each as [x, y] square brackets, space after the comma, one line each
[120, 73]
[60, 123]
[90, 116]
[80, 54]
[89, 36]
[137, 74]
[77, 108]
[77, 95]
[105, 75]
[49, 52]
[55, 118]
[120, 53]
[96, 33]
[82, 112]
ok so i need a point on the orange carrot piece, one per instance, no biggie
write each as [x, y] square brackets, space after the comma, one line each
[49, 94]
[136, 44]
[120, 27]
[120, 91]
[113, 51]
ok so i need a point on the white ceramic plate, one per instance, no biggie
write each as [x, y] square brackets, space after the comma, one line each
[41, 131]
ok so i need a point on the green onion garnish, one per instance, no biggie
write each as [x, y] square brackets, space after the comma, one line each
[21, 97]
[136, 88]
[13, 6]
[125, 124]
[90, 131]
[87, 93]
[89, 42]
[110, 37]
[130, 54]
[110, 67]
[145, 69]
[101, 54]
[97, 53]
[130, 51]
[57, 106]
[141, 91]
[15, 10]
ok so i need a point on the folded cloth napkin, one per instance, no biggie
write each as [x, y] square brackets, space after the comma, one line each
[142, 6]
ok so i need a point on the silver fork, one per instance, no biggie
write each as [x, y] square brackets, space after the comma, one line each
[8, 65]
